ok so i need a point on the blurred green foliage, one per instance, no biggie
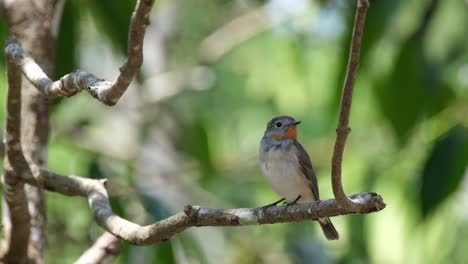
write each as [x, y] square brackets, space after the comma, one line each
[445, 168]
[409, 121]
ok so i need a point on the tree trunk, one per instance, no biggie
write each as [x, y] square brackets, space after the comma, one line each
[33, 24]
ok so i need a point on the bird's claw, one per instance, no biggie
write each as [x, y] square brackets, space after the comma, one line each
[293, 202]
[275, 203]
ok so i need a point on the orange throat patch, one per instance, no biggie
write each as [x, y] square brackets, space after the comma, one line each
[291, 133]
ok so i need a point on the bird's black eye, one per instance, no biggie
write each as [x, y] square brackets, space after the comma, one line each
[278, 124]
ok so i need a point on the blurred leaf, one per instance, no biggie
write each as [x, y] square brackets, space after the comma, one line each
[378, 16]
[67, 41]
[95, 170]
[164, 253]
[3, 37]
[68, 158]
[414, 89]
[66, 54]
[154, 206]
[378, 20]
[113, 18]
[444, 168]
[303, 245]
[194, 142]
[193, 249]
[401, 96]
[358, 226]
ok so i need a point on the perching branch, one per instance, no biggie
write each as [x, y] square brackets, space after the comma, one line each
[95, 190]
[104, 250]
[105, 91]
[343, 130]
[192, 216]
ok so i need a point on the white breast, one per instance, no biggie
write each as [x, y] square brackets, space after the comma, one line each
[281, 169]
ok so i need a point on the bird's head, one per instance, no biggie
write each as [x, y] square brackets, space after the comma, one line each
[281, 128]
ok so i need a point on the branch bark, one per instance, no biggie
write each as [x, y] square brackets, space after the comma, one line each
[18, 171]
[15, 215]
[33, 23]
[104, 250]
[192, 216]
[343, 130]
[105, 91]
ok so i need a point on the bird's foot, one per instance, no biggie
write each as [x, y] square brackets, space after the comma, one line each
[293, 202]
[274, 204]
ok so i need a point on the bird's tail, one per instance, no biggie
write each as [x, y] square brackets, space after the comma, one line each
[328, 229]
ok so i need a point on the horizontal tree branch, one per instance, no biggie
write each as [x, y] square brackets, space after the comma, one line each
[105, 91]
[104, 250]
[192, 216]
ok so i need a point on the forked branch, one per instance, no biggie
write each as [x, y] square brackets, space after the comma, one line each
[192, 216]
[105, 91]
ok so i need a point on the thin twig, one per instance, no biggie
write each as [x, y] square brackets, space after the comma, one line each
[343, 130]
[192, 216]
[104, 250]
[105, 91]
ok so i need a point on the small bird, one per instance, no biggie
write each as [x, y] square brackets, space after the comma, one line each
[287, 167]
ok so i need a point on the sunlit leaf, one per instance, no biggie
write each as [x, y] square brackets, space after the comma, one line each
[444, 169]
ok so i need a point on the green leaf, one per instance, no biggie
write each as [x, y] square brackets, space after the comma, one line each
[194, 142]
[444, 169]
[377, 20]
[3, 37]
[414, 87]
[113, 19]
[412, 90]
[154, 206]
[66, 52]
[401, 95]
[163, 252]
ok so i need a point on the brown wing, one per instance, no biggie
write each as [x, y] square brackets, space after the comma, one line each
[307, 169]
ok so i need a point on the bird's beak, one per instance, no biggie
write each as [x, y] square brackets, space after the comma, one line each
[296, 123]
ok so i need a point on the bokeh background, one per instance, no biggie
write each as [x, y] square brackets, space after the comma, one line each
[215, 71]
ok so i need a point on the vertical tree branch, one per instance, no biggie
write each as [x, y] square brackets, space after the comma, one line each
[343, 130]
[15, 215]
[31, 23]
[136, 34]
